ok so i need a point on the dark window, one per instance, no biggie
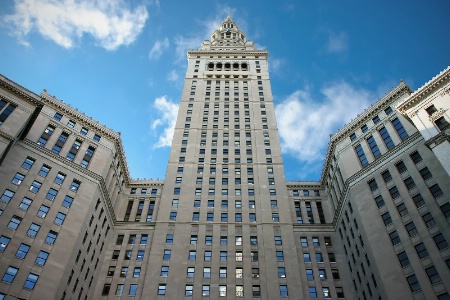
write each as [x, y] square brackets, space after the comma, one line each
[436, 191]
[411, 228]
[395, 239]
[386, 138]
[409, 182]
[386, 218]
[400, 167]
[429, 220]
[416, 158]
[373, 147]
[421, 250]
[362, 157]
[399, 128]
[403, 259]
[394, 192]
[386, 176]
[440, 241]
[413, 283]
[433, 275]
[373, 185]
[426, 174]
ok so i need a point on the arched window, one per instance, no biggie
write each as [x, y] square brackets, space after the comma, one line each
[244, 67]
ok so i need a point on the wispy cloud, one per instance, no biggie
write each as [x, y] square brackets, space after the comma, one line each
[173, 76]
[167, 112]
[305, 123]
[337, 42]
[275, 64]
[158, 48]
[110, 22]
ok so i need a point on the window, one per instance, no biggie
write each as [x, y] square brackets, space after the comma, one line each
[436, 191]
[223, 217]
[373, 147]
[164, 271]
[190, 272]
[319, 257]
[433, 275]
[394, 192]
[59, 219]
[386, 138]
[206, 272]
[402, 210]
[97, 138]
[421, 250]
[411, 228]
[440, 241]
[192, 255]
[14, 222]
[386, 176]
[18, 178]
[4, 241]
[322, 274]
[223, 255]
[280, 256]
[51, 237]
[362, 157]
[35, 186]
[409, 182]
[33, 230]
[195, 216]
[395, 239]
[326, 292]
[275, 217]
[429, 220]
[399, 128]
[413, 283]
[386, 218]
[22, 251]
[133, 289]
[87, 157]
[306, 257]
[169, 238]
[25, 204]
[316, 242]
[173, 215]
[10, 274]
[7, 196]
[353, 137]
[43, 210]
[28, 163]
[312, 292]
[123, 272]
[167, 254]
[222, 290]
[208, 255]
[335, 273]
[278, 240]
[223, 272]
[188, 290]
[208, 240]
[205, 290]
[281, 272]
[161, 289]
[239, 291]
[41, 258]
[75, 185]
[445, 208]
[304, 241]
[403, 259]
[373, 185]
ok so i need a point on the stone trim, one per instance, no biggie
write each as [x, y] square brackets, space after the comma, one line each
[19, 90]
[438, 139]
[431, 86]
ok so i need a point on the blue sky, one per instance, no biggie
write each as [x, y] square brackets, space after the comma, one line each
[123, 62]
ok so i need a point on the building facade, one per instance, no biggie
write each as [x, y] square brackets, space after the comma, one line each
[224, 223]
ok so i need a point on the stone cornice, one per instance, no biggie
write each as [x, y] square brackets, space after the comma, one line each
[80, 117]
[152, 183]
[314, 227]
[290, 185]
[231, 52]
[439, 138]
[6, 136]
[431, 86]
[367, 115]
[19, 90]
[72, 165]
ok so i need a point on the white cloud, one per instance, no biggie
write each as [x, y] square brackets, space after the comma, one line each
[183, 44]
[167, 112]
[305, 124]
[110, 22]
[158, 48]
[275, 64]
[173, 76]
[337, 42]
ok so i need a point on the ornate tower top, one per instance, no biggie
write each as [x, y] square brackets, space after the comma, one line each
[228, 34]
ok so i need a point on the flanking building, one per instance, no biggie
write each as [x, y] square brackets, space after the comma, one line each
[224, 223]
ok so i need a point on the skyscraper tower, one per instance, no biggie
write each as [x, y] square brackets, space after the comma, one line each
[225, 198]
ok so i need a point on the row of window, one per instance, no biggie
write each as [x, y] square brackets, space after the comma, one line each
[387, 141]
[60, 143]
[375, 121]
[11, 273]
[71, 124]
[144, 191]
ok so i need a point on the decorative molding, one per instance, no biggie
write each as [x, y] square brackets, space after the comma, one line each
[6, 136]
[439, 139]
[437, 114]
[19, 90]
[424, 91]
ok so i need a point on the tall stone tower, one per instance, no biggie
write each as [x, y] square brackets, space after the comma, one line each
[225, 198]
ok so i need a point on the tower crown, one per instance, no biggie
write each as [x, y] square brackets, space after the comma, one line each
[228, 34]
